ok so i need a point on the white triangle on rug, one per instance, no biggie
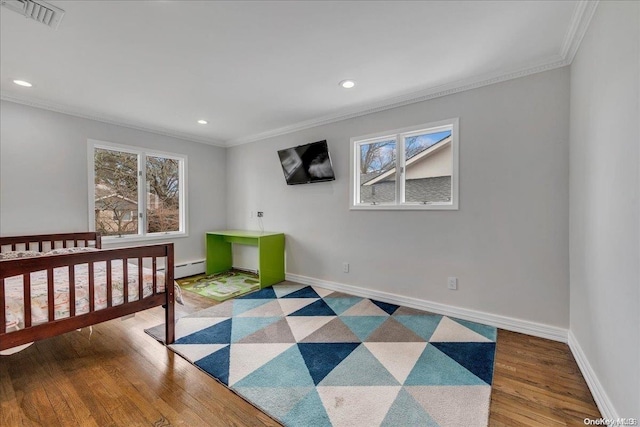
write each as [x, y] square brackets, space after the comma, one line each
[303, 326]
[398, 358]
[188, 325]
[282, 290]
[195, 352]
[454, 406]
[365, 308]
[270, 309]
[450, 331]
[290, 305]
[246, 358]
[357, 406]
[322, 291]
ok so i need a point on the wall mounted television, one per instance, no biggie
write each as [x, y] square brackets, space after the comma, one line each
[307, 163]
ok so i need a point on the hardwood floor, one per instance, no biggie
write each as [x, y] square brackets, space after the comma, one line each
[117, 375]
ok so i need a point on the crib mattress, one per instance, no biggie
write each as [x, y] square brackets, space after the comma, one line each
[14, 296]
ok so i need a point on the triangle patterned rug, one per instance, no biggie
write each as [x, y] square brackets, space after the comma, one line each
[308, 356]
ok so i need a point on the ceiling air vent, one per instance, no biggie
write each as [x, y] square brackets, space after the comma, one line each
[40, 11]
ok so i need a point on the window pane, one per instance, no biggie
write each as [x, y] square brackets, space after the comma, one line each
[378, 172]
[429, 165]
[116, 192]
[163, 194]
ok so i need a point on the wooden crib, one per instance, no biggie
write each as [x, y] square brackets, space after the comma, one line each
[55, 283]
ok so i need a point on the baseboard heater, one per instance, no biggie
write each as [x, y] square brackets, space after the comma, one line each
[192, 268]
[187, 269]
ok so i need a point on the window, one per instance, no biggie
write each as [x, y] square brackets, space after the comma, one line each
[136, 193]
[412, 168]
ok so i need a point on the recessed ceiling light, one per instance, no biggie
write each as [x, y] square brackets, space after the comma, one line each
[347, 84]
[202, 122]
[22, 83]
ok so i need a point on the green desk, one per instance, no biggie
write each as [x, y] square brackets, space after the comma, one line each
[270, 252]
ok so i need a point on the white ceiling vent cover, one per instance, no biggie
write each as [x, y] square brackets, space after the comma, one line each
[40, 11]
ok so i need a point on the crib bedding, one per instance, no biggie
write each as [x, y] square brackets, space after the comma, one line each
[39, 293]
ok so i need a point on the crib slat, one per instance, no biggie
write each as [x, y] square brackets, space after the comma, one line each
[109, 288]
[3, 321]
[91, 288]
[50, 295]
[40, 246]
[26, 282]
[125, 280]
[72, 290]
[155, 276]
[140, 291]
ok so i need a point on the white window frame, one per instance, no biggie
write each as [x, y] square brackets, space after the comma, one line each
[399, 135]
[142, 154]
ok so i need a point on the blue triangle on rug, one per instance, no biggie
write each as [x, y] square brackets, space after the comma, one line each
[244, 326]
[242, 305]
[266, 293]
[307, 292]
[308, 408]
[423, 325]
[389, 308]
[436, 368]
[477, 357]
[217, 364]
[405, 411]
[340, 305]
[321, 358]
[220, 333]
[363, 326]
[360, 368]
[318, 308]
[285, 370]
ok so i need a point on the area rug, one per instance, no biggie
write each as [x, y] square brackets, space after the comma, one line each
[222, 286]
[308, 356]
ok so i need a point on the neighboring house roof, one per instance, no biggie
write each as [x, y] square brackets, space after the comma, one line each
[375, 177]
[437, 189]
[366, 177]
[117, 196]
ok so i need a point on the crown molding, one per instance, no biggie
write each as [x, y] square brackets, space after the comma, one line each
[580, 21]
[582, 14]
[406, 99]
[92, 115]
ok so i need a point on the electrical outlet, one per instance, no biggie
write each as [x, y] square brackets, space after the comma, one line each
[452, 283]
[345, 267]
[260, 214]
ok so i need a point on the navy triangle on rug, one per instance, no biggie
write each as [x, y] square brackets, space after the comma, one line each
[309, 356]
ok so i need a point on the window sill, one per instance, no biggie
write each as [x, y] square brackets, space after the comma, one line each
[135, 238]
[382, 207]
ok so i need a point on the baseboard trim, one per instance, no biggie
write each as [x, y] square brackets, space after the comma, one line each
[503, 322]
[597, 390]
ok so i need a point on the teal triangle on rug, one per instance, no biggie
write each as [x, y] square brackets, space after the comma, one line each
[307, 356]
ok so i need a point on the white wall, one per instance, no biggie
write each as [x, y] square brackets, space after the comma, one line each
[605, 214]
[44, 180]
[508, 243]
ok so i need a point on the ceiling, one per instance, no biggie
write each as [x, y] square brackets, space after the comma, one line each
[260, 69]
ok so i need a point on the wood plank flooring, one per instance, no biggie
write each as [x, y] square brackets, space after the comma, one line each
[116, 375]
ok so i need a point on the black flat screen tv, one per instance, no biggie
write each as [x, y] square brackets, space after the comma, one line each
[307, 163]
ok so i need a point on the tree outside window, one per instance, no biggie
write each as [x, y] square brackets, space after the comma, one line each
[122, 206]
